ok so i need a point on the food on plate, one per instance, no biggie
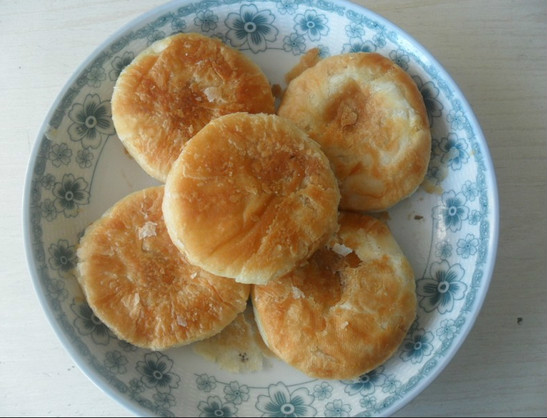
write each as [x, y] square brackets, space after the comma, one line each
[250, 197]
[175, 87]
[140, 285]
[347, 310]
[263, 205]
[309, 59]
[370, 119]
[238, 348]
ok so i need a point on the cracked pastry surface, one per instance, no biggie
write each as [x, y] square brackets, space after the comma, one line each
[370, 119]
[174, 87]
[140, 285]
[347, 310]
[250, 197]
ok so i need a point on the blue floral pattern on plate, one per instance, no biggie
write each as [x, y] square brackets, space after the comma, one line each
[448, 228]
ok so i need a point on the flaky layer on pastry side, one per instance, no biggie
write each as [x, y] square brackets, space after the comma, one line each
[371, 121]
[139, 284]
[347, 310]
[250, 197]
[174, 88]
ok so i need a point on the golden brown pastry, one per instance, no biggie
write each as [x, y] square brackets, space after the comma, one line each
[347, 310]
[370, 119]
[309, 59]
[174, 87]
[250, 197]
[138, 283]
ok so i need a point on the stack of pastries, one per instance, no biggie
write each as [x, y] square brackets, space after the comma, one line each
[262, 206]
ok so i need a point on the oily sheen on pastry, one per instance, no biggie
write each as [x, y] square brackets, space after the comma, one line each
[140, 285]
[347, 310]
[370, 119]
[174, 87]
[250, 197]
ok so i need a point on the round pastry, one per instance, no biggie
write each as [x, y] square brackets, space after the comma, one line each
[347, 310]
[370, 119]
[250, 197]
[140, 285]
[174, 87]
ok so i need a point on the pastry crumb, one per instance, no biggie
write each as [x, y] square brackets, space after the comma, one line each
[341, 249]
[148, 230]
[309, 59]
[181, 321]
[238, 348]
[297, 293]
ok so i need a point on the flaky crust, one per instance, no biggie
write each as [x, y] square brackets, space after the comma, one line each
[250, 197]
[347, 310]
[238, 348]
[177, 85]
[370, 119]
[137, 282]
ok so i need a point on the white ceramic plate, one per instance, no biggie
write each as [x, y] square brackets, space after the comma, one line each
[447, 229]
